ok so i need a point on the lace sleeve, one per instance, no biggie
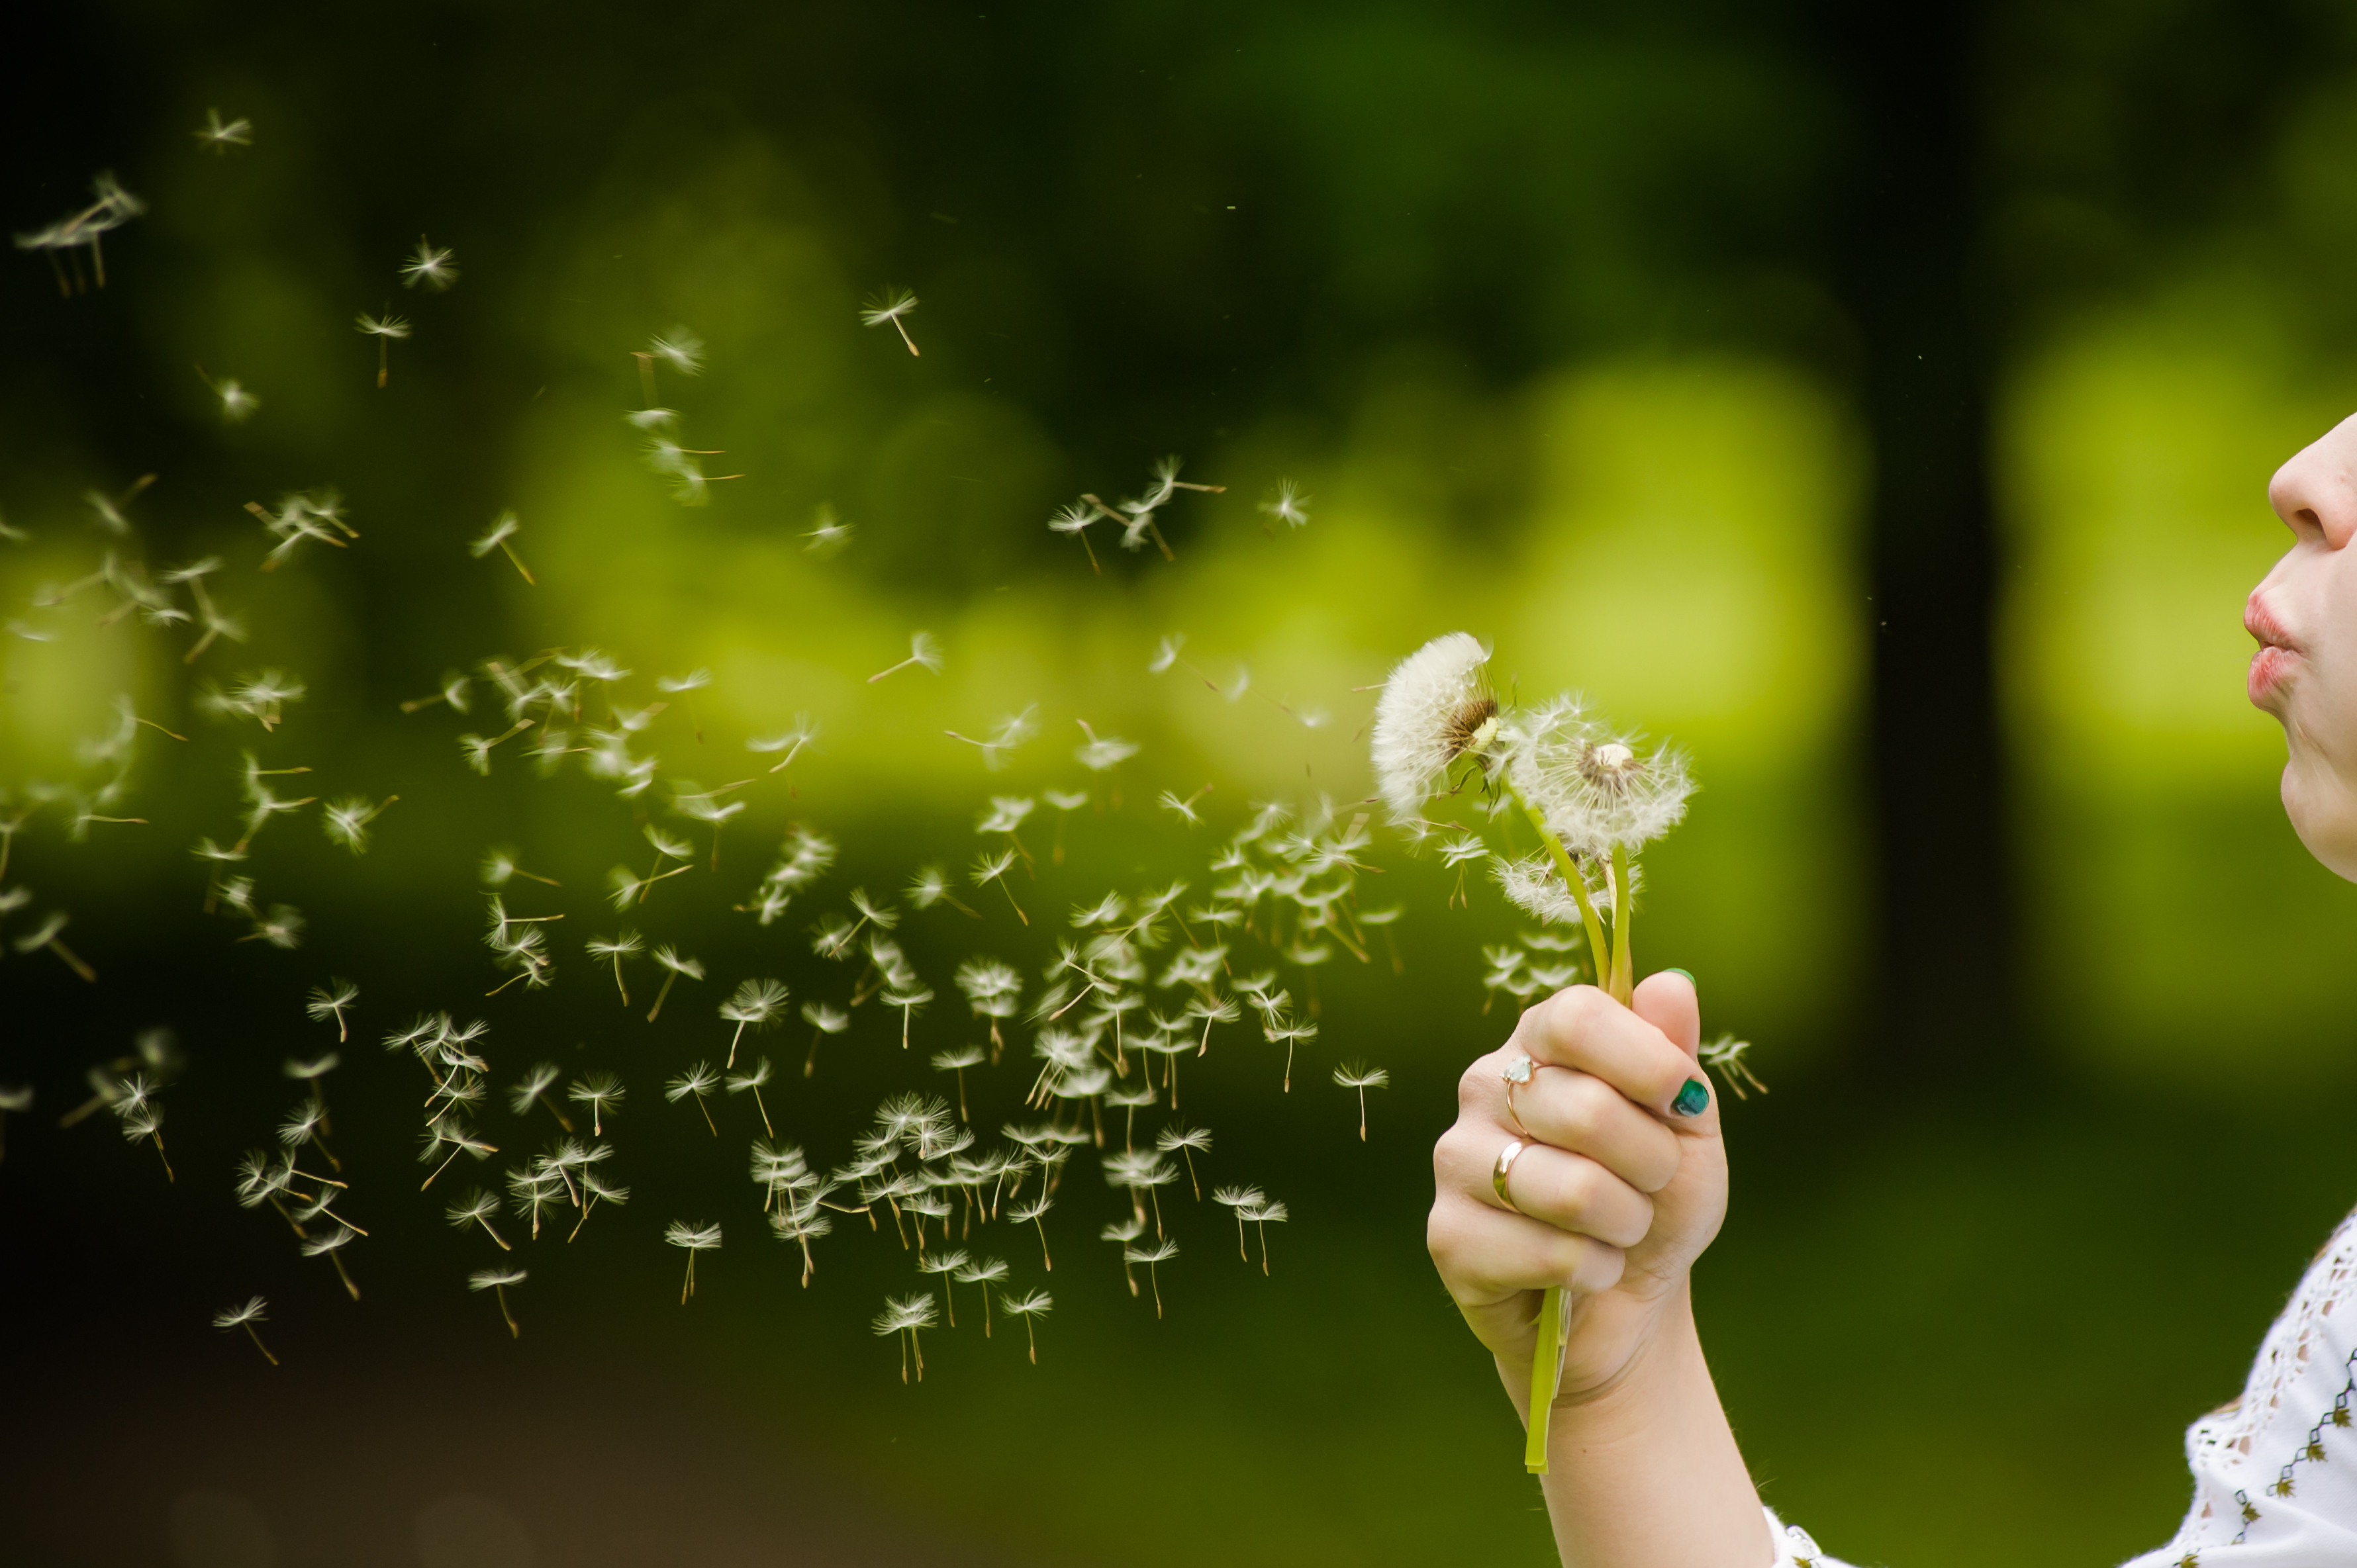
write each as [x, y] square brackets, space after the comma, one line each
[1794, 1549]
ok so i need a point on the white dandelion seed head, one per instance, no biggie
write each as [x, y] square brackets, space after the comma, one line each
[1599, 793]
[1435, 707]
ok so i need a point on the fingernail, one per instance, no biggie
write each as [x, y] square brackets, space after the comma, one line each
[1688, 974]
[1692, 1099]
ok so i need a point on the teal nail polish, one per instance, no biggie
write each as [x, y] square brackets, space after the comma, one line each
[1688, 974]
[1692, 1099]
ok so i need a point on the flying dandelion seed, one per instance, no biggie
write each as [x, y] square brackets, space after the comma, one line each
[675, 966]
[685, 688]
[496, 1280]
[990, 869]
[331, 1248]
[1031, 1213]
[1101, 752]
[237, 404]
[476, 1208]
[824, 1020]
[698, 1081]
[435, 266]
[616, 949]
[383, 328]
[218, 136]
[1029, 1307]
[1725, 1056]
[598, 1193]
[828, 534]
[1358, 1076]
[923, 650]
[255, 1310]
[753, 1079]
[1075, 520]
[533, 1090]
[697, 1239]
[756, 1004]
[602, 1092]
[1187, 1141]
[1263, 1214]
[45, 935]
[333, 1000]
[957, 1061]
[909, 1314]
[1161, 1252]
[892, 304]
[503, 530]
[1241, 1199]
[1287, 505]
[982, 1273]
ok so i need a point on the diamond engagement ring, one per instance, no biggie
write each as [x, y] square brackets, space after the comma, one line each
[1504, 1168]
[1517, 1072]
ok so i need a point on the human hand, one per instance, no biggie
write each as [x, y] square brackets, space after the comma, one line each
[1618, 1193]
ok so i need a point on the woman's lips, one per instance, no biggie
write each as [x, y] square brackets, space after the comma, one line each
[2271, 668]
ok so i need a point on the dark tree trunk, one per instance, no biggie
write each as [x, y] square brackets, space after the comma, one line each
[1907, 253]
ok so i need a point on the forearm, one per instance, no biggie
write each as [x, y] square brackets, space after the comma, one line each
[1644, 1472]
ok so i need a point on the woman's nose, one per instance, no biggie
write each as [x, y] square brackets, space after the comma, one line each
[2317, 489]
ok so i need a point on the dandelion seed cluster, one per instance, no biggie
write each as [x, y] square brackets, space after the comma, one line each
[1085, 1015]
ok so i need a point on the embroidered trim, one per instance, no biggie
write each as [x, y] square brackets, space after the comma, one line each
[2227, 1433]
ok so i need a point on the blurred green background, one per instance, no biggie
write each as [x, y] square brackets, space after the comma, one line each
[1880, 408]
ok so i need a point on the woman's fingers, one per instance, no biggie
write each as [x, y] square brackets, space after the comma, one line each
[1586, 1115]
[1568, 1191]
[1582, 1028]
[1487, 1255]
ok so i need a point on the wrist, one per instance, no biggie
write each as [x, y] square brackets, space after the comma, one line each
[1664, 1355]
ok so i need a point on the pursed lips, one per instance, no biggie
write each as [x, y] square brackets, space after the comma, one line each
[2271, 666]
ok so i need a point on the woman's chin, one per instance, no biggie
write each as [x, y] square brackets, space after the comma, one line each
[2323, 813]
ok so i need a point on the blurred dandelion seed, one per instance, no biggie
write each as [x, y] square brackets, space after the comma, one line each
[891, 305]
[503, 529]
[331, 1248]
[753, 1079]
[255, 1310]
[218, 136]
[756, 1004]
[496, 1280]
[237, 404]
[828, 534]
[435, 266]
[824, 1020]
[909, 1314]
[675, 966]
[1287, 505]
[923, 650]
[383, 328]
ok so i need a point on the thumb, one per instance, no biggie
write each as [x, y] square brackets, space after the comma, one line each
[1667, 1000]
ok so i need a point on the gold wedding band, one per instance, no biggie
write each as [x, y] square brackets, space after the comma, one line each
[1504, 1168]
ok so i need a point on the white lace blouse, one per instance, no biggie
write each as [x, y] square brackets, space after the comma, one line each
[2274, 1473]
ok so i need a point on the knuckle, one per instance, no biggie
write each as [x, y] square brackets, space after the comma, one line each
[1584, 1107]
[1472, 1084]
